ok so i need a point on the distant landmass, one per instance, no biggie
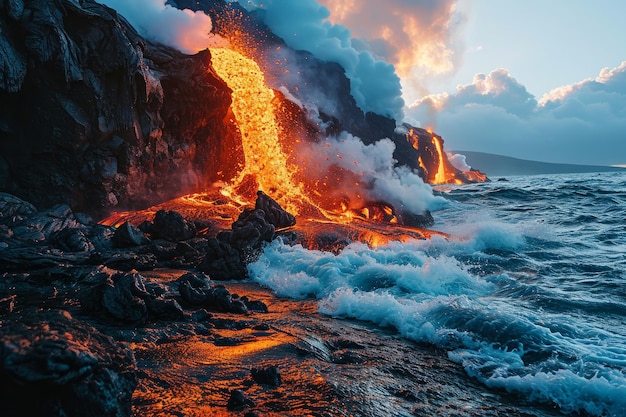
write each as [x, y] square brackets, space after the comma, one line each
[498, 165]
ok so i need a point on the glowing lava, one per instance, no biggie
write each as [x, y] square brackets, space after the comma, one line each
[331, 203]
[265, 162]
[434, 162]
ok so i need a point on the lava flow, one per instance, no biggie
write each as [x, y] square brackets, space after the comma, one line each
[433, 161]
[331, 204]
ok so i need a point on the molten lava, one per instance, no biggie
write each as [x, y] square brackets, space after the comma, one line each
[434, 162]
[265, 163]
[331, 203]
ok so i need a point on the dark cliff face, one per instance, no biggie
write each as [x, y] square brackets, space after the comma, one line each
[95, 116]
[325, 81]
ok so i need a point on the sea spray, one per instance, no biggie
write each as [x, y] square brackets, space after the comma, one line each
[527, 295]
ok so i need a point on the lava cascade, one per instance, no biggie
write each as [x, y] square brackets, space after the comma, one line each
[319, 197]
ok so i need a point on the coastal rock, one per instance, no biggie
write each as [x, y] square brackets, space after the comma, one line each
[114, 115]
[267, 376]
[274, 213]
[249, 232]
[127, 235]
[238, 401]
[13, 209]
[222, 261]
[193, 288]
[63, 367]
[172, 226]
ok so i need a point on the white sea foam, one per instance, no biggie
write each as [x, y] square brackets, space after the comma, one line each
[428, 291]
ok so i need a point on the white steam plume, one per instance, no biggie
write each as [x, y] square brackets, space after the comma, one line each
[183, 29]
[303, 25]
[374, 165]
[417, 36]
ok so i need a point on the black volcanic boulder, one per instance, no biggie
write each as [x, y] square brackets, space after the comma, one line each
[229, 253]
[127, 235]
[250, 231]
[54, 365]
[274, 213]
[267, 376]
[172, 226]
[13, 209]
[423, 220]
[222, 261]
[124, 298]
[194, 288]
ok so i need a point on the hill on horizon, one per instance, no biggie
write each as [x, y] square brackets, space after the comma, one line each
[499, 165]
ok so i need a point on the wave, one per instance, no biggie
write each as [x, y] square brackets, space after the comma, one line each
[523, 303]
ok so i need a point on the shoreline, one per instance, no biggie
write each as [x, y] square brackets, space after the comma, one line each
[327, 367]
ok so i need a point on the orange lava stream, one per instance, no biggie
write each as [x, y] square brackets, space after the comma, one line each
[327, 218]
[265, 160]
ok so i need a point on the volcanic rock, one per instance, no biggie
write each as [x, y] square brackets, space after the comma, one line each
[274, 213]
[222, 261]
[193, 288]
[62, 367]
[13, 209]
[267, 376]
[128, 261]
[127, 235]
[238, 401]
[172, 226]
[94, 116]
[250, 231]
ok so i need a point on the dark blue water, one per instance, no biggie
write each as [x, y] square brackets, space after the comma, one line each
[529, 297]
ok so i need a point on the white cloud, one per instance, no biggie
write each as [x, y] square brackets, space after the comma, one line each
[582, 123]
[183, 29]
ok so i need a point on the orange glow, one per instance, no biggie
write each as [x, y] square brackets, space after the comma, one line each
[328, 202]
[434, 161]
[265, 162]
[441, 176]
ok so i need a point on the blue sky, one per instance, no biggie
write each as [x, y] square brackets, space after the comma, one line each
[486, 66]
[525, 50]
[543, 43]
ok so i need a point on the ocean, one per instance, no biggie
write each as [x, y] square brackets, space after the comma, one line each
[528, 295]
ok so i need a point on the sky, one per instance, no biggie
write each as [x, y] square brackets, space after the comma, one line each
[540, 80]
[569, 39]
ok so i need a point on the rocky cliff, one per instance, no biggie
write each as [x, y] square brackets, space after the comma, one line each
[95, 116]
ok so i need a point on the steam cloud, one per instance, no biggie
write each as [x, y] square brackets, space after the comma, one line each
[183, 29]
[304, 25]
[374, 165]
[581, 123]
[417, 36]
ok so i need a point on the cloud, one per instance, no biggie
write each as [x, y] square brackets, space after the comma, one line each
[582, 123]
[374, 168]
[183, 29]
[417, 36]
[304, 25]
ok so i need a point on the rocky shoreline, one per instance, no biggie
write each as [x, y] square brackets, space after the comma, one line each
[105, 320]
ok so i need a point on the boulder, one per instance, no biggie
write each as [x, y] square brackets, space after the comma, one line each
[172, 226]
[54, 365]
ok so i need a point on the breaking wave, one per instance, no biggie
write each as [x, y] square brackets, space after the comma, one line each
[528, 297]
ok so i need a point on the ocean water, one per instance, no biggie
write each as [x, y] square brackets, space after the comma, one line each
[529, 296]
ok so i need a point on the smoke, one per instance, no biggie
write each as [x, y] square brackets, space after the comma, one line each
[374, 167]
[459, 162]
[304, 25]
[581, 123]
[417, 36]
[183, 29]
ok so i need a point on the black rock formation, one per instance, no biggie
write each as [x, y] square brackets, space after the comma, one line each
[96, 117]
[54, 365]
